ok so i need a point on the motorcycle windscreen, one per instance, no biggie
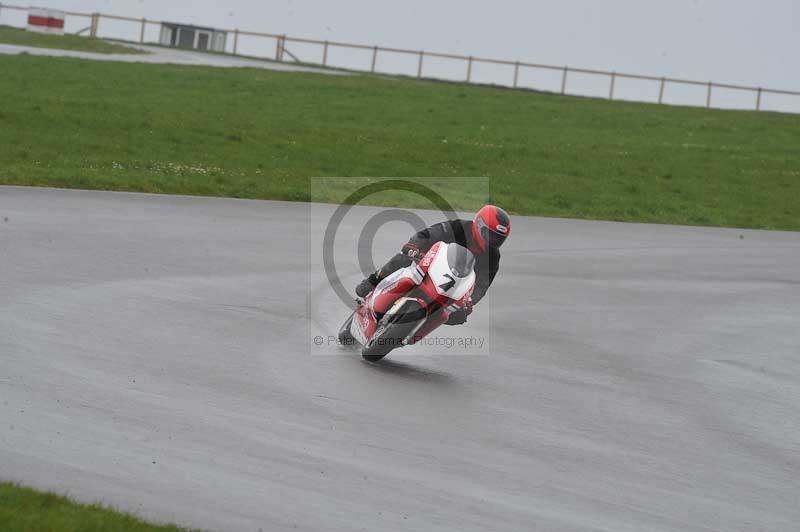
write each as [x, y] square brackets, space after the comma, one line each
[460, 260]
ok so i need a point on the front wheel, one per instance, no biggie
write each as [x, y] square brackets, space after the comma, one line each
[346, 338]
[392, 333]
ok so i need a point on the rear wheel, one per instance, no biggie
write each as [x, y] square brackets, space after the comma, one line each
[393, 332]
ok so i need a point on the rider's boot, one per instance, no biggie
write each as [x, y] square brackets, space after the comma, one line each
[367, 285]
[395, 263]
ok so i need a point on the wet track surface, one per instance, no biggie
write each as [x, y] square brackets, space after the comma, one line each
[156, 353]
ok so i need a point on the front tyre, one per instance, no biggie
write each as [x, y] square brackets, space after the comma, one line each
[392, 333]
[346, 338]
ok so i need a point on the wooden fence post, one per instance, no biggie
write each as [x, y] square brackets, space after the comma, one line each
[564, 81]
[94, 25]
[469, 69]
[278, 48]
[708, 95]
[516, 73]
[374, 59]
[325, 54]
[141, 34]
[611, 88]
[758, 100]
[236, 41]
[661, 90]
[419, 66]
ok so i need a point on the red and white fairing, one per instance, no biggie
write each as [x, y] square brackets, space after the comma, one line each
[440, 289]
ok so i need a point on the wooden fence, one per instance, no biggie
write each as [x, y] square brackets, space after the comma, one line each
[515, 67]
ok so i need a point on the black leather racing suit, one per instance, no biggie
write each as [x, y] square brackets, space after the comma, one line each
[451, 231]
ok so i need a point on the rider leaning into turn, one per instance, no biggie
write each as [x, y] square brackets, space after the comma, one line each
[483, 236]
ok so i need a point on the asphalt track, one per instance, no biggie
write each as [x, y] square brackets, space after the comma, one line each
[168, 56]
[156, 353]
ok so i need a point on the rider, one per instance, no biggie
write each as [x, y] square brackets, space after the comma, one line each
[483, 236]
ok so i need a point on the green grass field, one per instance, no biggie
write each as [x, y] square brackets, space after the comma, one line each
[26, 510]
[260, 134]
[20, 37]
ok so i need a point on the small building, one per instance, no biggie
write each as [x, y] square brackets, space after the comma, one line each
[193, 37]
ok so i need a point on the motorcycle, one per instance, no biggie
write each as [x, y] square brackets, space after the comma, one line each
[412, 302]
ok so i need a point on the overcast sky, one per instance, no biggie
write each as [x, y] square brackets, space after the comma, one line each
[730, 41]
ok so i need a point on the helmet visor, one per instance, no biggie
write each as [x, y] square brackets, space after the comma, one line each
[493, 239]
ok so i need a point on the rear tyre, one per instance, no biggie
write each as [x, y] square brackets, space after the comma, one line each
[391, 334]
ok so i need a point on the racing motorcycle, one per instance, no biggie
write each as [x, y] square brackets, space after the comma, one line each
[412, 302]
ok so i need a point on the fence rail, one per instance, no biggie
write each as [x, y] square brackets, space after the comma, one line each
[281, 51]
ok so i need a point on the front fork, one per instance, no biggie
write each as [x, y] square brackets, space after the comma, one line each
[433, 322]
[389, 302]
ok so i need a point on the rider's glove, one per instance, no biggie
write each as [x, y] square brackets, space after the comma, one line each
[459, 317]
[468, 306]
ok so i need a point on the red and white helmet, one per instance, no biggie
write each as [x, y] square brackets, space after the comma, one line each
[490, 228]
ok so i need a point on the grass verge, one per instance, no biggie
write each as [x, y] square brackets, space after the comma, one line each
[20, 37]
[261, 134]
[27, 510]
